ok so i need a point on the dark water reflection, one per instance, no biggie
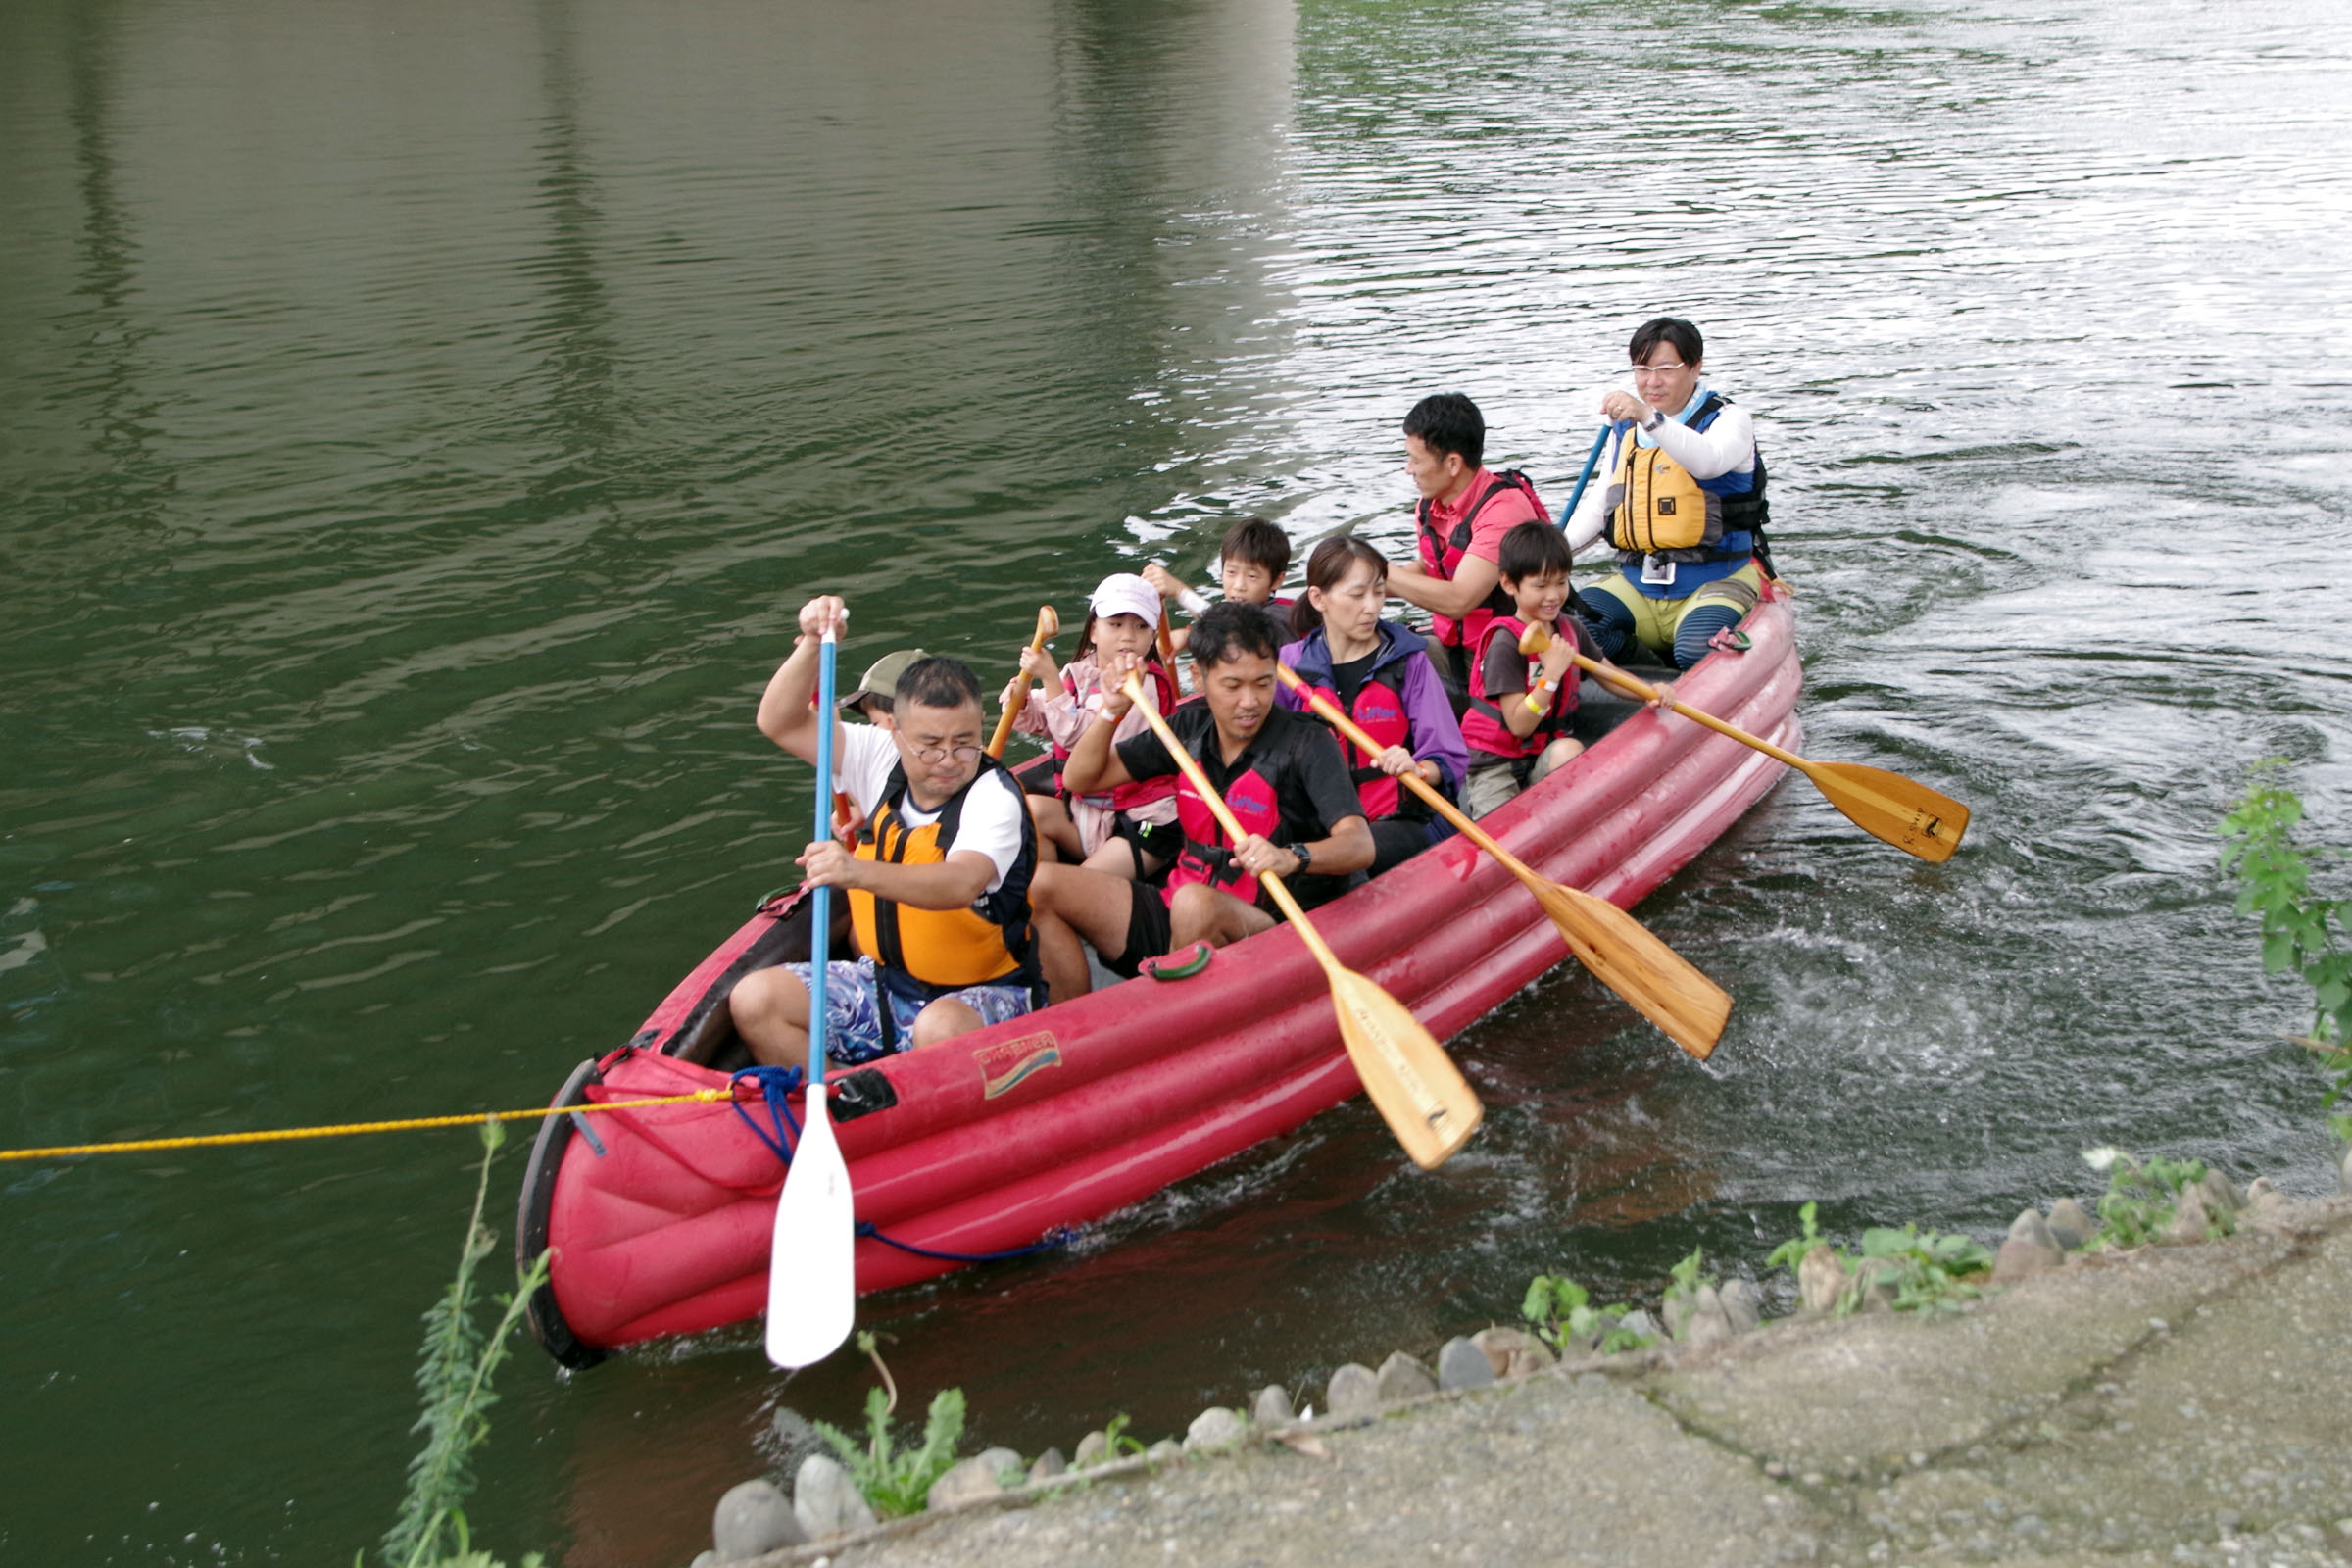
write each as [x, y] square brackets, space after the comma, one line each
[416, 427]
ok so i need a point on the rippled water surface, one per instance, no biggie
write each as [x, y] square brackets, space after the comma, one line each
[418, 423]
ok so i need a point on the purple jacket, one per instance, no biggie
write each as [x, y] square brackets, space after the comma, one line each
[1436, 737]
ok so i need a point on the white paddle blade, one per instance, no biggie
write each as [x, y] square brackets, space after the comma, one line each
[812, 1272]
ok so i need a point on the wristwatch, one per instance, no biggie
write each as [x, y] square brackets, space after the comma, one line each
[1657, 416]
[1306, 855]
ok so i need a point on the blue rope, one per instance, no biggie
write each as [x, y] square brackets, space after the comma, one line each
[777, 1082]
[1058, 1237]
[774, 1084]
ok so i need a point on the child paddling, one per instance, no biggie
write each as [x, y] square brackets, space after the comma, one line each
[1521, 707]
[1129, 831]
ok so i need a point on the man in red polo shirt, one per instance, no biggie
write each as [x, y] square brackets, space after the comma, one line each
[1465, 510]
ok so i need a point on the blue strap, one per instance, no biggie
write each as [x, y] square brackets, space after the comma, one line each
[1056, 1238]
[774, 1084]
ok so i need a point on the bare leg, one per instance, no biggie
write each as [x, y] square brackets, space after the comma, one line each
[1054, 826]
[943, 1019]
[1554, 756]
[1201, 914]
[1070, 902]
[770, 1009]
[1116, 857]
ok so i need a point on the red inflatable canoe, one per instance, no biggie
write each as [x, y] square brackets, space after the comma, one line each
[660, 1218]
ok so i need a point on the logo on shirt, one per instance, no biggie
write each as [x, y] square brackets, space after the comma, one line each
[1005, 1063]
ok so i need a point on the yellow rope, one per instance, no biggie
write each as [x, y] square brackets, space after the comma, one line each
[282, 1135]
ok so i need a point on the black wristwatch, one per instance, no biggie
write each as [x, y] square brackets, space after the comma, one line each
[1306, 855]
[1657, 416]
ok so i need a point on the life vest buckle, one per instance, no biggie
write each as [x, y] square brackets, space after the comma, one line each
[1657, 572]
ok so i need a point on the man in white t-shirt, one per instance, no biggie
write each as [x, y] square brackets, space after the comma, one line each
[937, 887]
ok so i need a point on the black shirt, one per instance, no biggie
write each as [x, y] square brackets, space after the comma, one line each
[1292, 752]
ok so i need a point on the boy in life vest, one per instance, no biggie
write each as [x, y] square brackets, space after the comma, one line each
[1281, 773]
[1521, 707]
[1464, 511]
[937, 888]
[1378, 673]
[1251, 564]
[1130, 831]
[1684, 507]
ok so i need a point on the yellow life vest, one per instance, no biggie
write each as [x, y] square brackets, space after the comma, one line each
[944, 950]
[1656, 506]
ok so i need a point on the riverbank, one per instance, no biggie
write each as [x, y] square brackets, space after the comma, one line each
[2173, 1404]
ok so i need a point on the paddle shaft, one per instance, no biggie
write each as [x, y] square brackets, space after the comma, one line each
[1331, 714]
[1649, 694]
[1048, 623]
[820, 904]
[1591, 462]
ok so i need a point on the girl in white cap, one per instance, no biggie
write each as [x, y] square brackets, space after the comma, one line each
[1130, 831]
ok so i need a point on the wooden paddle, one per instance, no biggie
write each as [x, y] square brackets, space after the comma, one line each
[812, 1260]
[1048, 624]
[1167, 649]
[1411, 1081]
[1655, 981]
[1903, 811]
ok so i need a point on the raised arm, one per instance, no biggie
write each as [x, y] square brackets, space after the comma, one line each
[785, 714]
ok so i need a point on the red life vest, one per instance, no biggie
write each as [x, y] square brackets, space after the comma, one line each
[1484, 725]
[1207, 854]
[1126, 797]
[1441, 553]
[1378, 711]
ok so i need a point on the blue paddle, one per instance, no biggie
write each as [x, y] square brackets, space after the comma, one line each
[812, 1265]
[1592, 460]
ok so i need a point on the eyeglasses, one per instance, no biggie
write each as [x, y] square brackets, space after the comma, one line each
[934, 754]
[1660, 370]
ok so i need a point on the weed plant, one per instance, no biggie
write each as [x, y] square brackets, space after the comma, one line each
[2301, 931]
[2142, 1197]
[1925, 1270]
[894, 1476]
[453, 1375]
[1563, 1315]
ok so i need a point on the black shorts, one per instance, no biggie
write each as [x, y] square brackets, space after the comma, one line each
[1162, 840]
[1149, 933]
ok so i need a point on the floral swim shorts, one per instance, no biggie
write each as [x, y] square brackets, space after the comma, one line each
[854, 1010]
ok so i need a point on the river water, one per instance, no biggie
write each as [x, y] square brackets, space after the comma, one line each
[418, 423]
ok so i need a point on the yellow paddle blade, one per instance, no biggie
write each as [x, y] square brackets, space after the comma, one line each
[1654, 980]
[1411, 1081]
[1904, 813]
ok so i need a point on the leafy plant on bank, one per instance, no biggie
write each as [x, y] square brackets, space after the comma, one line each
[893, 1475]
[1930, 1271]
[2301, 931]
[1925, 1270]
[1116, 1444]
[1562, 1313]
[1686, 1283]
[453, 1374]
[2142, 1196]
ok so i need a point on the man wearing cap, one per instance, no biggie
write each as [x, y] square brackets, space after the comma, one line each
[937, 888]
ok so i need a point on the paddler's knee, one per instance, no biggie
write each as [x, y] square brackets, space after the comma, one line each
[943, 1019]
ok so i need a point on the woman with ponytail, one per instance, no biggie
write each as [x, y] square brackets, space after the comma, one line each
[1378, 673]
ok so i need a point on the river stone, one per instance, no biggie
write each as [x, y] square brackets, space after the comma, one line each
[2020, 1260]
[1463, 1365]
[1049, 1464]
[2220, 1196]
[2263, 1198]
[1005, 1463]
[1640, 1322]
[1164, 1450]
[826, 1501]
[753, 1518]
[2190, 1221]
[1820, 1280]
[1214, 1427]
[2035, 1231]
[1526, 1363]
[705, 1559]
[1354, 1390]
[1708, 1323]
[1878, 1276]
[1403, 1378]
[2070, 1226]
[1272, 1407]
[1503, 1346]
[965, 1482]
[1742, 1304]
[2343, 1168]
[1093, 1450]
[1676, 1309]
